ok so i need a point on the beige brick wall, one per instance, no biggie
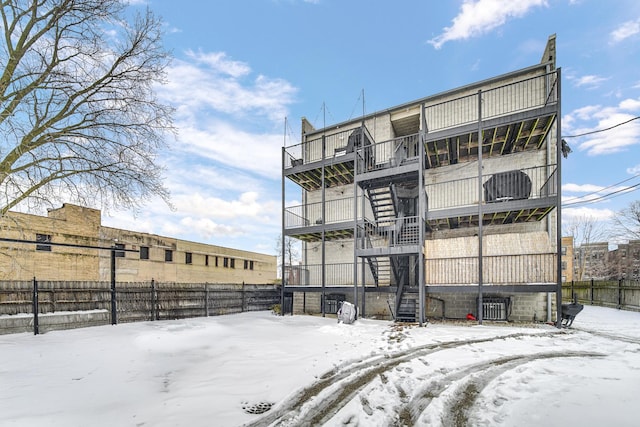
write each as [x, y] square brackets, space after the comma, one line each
[69, 224]
[81, 226]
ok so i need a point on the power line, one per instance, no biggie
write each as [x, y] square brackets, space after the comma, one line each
[602, 189]
[605, 196]
[601, 130]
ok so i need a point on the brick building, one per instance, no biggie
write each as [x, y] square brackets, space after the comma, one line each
[591, 261]
[567, 259]
[624, 262]
[627, 260]
[148, 256]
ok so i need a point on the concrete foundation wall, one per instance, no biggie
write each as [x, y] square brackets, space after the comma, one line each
[523, 307]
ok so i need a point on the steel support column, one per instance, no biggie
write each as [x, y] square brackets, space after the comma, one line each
[559, 201]
[480, 214]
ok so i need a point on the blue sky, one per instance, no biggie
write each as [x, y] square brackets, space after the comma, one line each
[242, 66]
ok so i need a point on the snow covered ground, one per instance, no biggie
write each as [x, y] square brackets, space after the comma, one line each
[303, 370]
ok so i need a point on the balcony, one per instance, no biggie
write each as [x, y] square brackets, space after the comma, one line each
[508, 197]
[398, 236]
[335, 151]
[306, 223]
[335, 275]
[397, 158]
[496, 270]
[516, 117]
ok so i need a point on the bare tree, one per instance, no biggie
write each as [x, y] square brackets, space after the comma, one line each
[591, 248]
[79, 118]
[627, 222]
[291, 252]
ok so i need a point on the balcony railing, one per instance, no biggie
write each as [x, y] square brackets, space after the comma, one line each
[526, 94]
[335, 275]
[336, 144]
[499, 269]
[403, 231]
[530, 183]
[388, 154]
[522, 95]
[336, 211]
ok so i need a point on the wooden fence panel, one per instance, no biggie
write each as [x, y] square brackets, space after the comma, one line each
[622, 294]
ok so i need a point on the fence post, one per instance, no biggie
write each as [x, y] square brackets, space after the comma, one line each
[619, 294]
[591, 297]
[114, 318]
[36, 308]
[573, 293]
[243, 299]
[153, 300]
[206, 300]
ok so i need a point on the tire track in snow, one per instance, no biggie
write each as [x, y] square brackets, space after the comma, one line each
[471, 380]
[613, 337]
[315, 404]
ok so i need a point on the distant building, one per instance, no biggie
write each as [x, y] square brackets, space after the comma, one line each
[567, 259]
[148, 256]
[591, 261]
[625, 261]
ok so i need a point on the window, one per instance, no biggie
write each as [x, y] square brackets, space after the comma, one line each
[188, 258]
[225, 262]
[564, 278]
[144, 252]
[168, 255]
[43, 238]
[564, 265]
[564, 250]
[233, 263]
[119, 254]
[206, 260]
[216, 261]
[248, 265]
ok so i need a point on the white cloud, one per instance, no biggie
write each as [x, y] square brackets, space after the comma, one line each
[210, 81]
[581, 188]
[585, 212]
[246, 205]
[481, 16]
[229, 122]
[222, 142]
[630, 105]
[208, 228]
[625, 30]
[590, 81]
[218, 62]
[634, 170]
[592, 119]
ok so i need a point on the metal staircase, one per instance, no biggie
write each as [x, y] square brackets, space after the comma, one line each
[380, 270]
[383, 203]
[407, 306]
